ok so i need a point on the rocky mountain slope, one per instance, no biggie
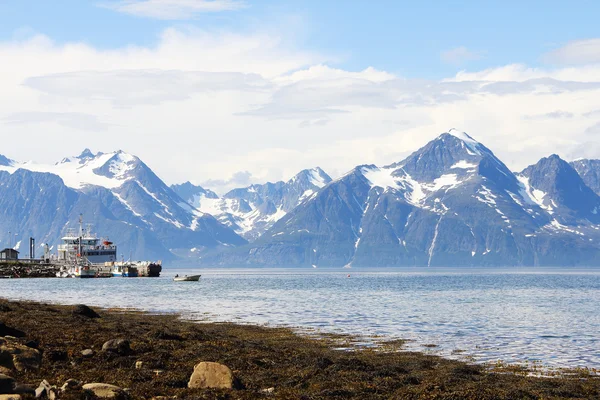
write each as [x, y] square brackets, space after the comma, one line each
[589, 170]
[451, 203]
[117, 193]
[252, 210]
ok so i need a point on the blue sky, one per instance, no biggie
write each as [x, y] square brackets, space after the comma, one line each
[402, 37]
[245, 91]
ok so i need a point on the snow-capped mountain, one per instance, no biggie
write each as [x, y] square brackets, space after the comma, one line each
[115, 191]
[451, 203]
[252, 210]
[589, 170]
[557, 188]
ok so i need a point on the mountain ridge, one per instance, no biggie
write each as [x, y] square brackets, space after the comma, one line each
[451, 203]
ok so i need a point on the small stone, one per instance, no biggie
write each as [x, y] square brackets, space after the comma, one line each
[139, 364]
[85, 311]
[7, 384]
[87, 353]
[70, 384]
[119, 346]
[211, 375]
[105, 391]
[43, 389]
[270, 390]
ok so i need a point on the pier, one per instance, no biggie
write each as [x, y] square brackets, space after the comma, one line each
[38, 268]
[28, 268]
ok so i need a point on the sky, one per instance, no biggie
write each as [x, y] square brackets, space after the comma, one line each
[226, 93]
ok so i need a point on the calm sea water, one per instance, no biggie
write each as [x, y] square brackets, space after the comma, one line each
[547, 316]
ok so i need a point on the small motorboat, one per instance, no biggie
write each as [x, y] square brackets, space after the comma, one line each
[187, 278]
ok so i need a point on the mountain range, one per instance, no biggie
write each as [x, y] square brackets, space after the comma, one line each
[450, 203]
[253, 210]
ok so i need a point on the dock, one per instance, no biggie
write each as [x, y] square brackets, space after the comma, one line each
[28, 269]
[35, 268]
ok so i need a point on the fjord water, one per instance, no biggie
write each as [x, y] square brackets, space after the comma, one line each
[547, 316]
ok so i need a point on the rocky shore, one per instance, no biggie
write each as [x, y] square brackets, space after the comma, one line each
[66, 352]
[16, 269]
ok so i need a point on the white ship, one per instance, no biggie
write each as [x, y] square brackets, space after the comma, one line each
[82, 253]
[85, 245]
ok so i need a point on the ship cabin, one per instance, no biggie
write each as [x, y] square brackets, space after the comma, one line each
[88, 246]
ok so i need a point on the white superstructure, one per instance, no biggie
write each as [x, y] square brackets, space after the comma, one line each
[84, 245]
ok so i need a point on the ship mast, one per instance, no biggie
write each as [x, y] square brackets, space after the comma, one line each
[80, 235]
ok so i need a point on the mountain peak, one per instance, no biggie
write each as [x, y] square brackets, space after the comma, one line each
[86, 153]
[559, 185]
[315, 176]
[589, 170]
[6, 162]
[471, 143]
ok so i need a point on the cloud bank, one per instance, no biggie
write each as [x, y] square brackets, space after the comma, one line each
[229, 109]
[172, 9]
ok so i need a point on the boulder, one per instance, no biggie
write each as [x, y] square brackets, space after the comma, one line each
[105, 391]
[84, 311]
[87, 353]
[8, 331]
[70, 384]
[211, 375]
[24, 389]
[7, 384]
[119, 346]
[14, 355]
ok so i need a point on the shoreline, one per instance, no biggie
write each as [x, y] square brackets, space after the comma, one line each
[267, 362]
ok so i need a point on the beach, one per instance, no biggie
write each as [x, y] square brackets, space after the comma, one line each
[162, 351]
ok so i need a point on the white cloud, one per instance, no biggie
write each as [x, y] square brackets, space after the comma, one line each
[459, 56]
[135, 87]
[172, 9]
[202, 106]
[577, 52]
[79, 121]
[550, 115]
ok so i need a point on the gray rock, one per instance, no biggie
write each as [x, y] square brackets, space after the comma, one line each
[71, 384]
[7, 384]
[85, 311]
[14, 355]
[211, 375]
[24, 389]
[119, 346]
[105, 391]
[87, 353]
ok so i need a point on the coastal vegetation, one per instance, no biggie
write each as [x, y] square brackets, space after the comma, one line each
[146, 356]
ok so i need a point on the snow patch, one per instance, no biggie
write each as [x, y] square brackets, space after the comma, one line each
[464, 164]
[471, 143]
